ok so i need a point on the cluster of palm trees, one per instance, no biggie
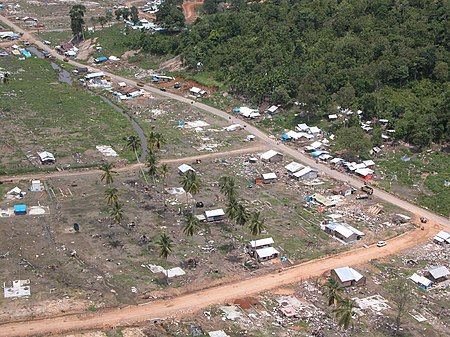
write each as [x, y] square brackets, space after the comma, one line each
[343, 306]
[236, 211]
[112, 194]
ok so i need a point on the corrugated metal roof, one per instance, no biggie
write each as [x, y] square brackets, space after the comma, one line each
[261, 242]
[266, 252]
[214, 212]
[438, 272]
[346, 274]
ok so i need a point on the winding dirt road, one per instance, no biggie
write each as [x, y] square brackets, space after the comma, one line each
[186, 304]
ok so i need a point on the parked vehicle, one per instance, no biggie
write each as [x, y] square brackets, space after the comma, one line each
[362, 196]
[367, 189]
[140, 84]
[381, 243]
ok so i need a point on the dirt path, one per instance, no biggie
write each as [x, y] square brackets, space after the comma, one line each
[189, 10]
[186, 305]
[133, 167]
[148, 16]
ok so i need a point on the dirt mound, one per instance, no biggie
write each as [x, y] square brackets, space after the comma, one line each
[189, 10]
[173, 64]
[85, 49]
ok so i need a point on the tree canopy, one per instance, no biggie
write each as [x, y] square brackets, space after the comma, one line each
[388, 58]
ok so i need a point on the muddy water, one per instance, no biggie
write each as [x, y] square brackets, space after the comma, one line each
[63, 75]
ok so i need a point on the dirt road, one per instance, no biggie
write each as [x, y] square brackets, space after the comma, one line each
[189, 10]
[185, 305]
[133, 167]
[251, 129]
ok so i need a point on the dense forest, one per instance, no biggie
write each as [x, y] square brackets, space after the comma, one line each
[388, 58]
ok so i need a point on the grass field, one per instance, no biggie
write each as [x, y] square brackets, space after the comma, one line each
[113, 39]
[40, 113]
[421, 179]
[56, 37]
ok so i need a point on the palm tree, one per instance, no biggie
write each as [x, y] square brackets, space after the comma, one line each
[332, 291]
[256, 225]
[152, 165]
[344, 312]
[134, 144]
[165, 245]
[111, 196]
[191, 184]
[108, 173]
[192, 224]
[242, 216]
[227, 186]
[156, 140]
[232, 209]
[116, 212]
[163, 171]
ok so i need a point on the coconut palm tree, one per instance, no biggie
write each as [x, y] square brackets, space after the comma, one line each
[163, 172]
[134, 144]
[256, 225]
[191, 225]
[232, 209]
[108, 173]
[116, 212]
[344, 312]
[242, 216]
[191, 184]
[111, 196]
[156, 140]
[165, 245]
[227, 186]
[152, 165]
[332, 291]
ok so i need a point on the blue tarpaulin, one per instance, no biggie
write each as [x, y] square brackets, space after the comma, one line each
[101, 59]
[25, 52]
[285, 137]
[20, 209]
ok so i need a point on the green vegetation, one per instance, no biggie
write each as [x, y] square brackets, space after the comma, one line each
[386, 58]
[41, 113]
[425, 174]
[56, 38]
[113, 39]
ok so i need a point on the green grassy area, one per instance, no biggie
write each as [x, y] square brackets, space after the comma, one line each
[203, 78]
[56, 37]
[424, 175]
[113, 39]
[41, 113]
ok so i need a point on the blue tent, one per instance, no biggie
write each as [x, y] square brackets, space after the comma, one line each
[20, 209]
[285, 137]
[101, 59]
